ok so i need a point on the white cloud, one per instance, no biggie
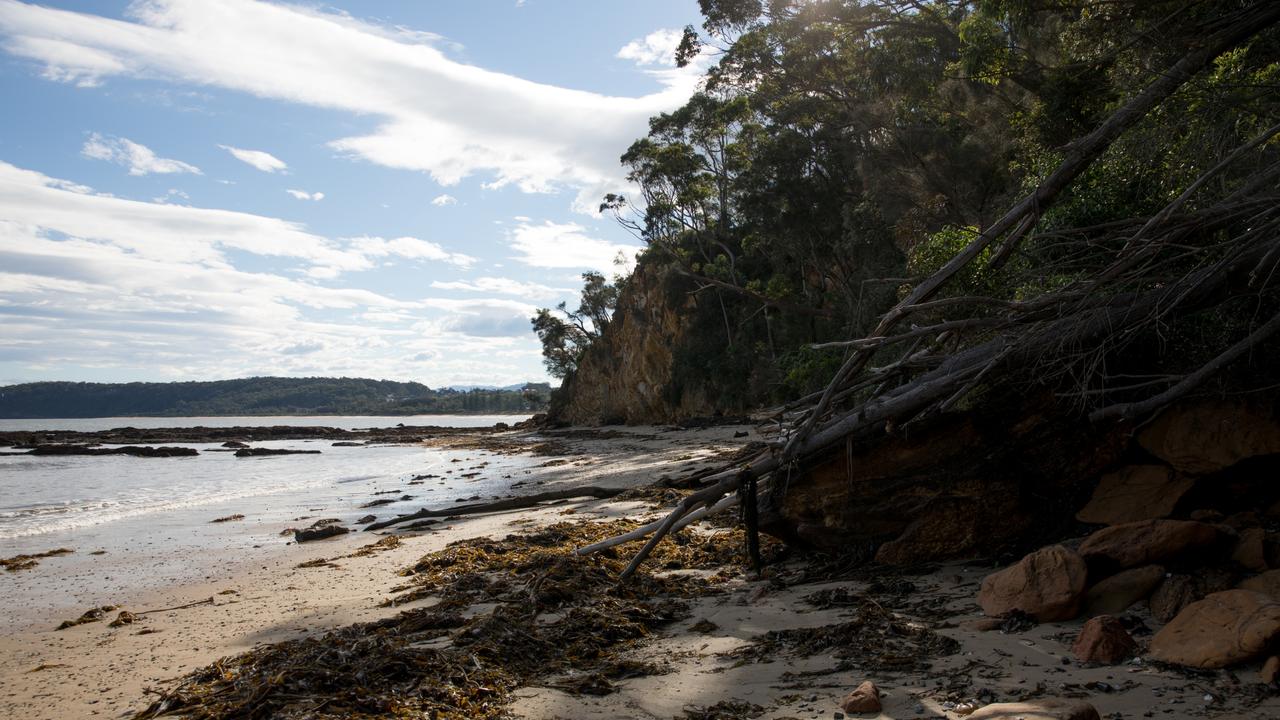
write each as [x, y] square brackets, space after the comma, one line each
[264, 161]
[411, 248]
[656, 48]
[502, 286]
[89, 280]
[438, 115]
[304, 195]
[138, 158]
[442, 200]
[566, 245]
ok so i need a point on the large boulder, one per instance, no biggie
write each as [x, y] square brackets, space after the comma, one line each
[1042, 709]
[1048, 585]
[1103, 640]
[1205, 436]
[1136, 492]
[1117, 593]
[1268, 583]
[1223, 629]
[1148, 542]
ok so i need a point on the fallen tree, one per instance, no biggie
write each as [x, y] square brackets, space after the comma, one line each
[1213, 248]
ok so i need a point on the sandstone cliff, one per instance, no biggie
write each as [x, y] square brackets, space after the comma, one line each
[627, 375]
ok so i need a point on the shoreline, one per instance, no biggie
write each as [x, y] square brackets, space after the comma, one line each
[713, 657]
[97, 671]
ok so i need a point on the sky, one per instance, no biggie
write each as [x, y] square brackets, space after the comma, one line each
[211, 189]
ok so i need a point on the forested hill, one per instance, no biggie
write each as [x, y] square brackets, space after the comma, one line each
[260, 396]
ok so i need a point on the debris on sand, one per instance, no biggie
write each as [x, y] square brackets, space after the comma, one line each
[124, 618]
[90, 615]
[26, 562]
[228, 518]
[437, 662]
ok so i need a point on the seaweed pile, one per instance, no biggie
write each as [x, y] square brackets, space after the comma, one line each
[26, 562]
[556, 620]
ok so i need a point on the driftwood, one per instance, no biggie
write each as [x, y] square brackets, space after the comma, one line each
[517, 503]
[1130, 277]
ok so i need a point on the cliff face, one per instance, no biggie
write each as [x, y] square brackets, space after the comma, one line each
[627, 376]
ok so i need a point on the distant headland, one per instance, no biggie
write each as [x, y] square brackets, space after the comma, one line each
[263, 396]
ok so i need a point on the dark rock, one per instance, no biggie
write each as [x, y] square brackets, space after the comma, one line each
[319, 533]
[1268, 583]
[1270, 671]
[132, 450]
[236, 444]
[1205, 436]
[1171, 596]
[1048, 585]
[1103, 640]
[1251, 550]
[1223, 629]
[258, 452]
[1117, 593]
[1136, 492]
[1148, 542]
[346, 443]
[366, 519]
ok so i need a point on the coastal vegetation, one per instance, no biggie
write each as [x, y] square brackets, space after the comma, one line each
[262, 396]
[911, 180]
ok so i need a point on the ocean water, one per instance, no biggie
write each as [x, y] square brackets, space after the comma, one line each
[345, 422]
[82, 500]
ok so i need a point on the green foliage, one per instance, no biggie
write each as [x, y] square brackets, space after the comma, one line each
[566, 334]
[838, 144]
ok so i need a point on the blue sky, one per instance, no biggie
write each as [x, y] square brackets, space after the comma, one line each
[205, 189]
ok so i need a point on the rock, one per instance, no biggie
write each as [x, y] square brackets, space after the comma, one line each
[1147, 542]
[1103, 640]
[346, 443]
[228, 518]
[1174, 594]
[1270, 670]
[1117, 593]
[1206, 515]
[1223, 629]
[1251, 550]
[235, 444]
[1042, 709]
[1205, 436]
[1048, 585]
[1242, 520]
[319, 533]
[1136, 492]
[1268, 583]
[256, 452]
[366, 519]
[864, 699]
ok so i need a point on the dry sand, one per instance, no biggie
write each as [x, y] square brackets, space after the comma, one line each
[96, 671]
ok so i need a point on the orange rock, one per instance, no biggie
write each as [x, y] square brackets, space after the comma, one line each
[1048, 585]
[1043, 709]
[1223, 629]
[1136, 492]
[1147, 541]
[864, 699]
[1103, 640]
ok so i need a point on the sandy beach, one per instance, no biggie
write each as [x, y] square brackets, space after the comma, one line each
[714, 658]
